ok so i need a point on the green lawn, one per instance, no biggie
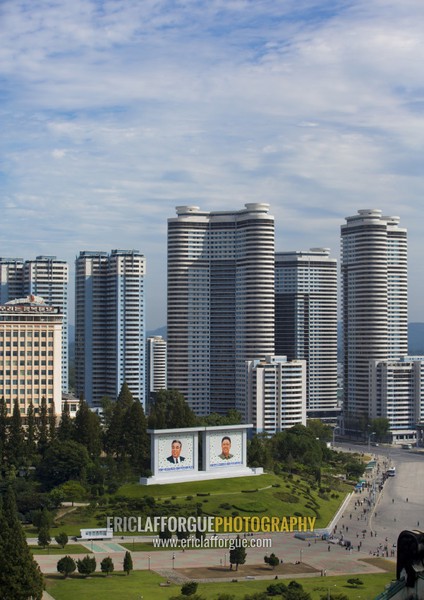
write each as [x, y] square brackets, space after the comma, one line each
[144, 584]
[55, 549]
[265, 495]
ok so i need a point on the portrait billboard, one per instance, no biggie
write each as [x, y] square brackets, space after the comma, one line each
[175, 452]
[225, 448]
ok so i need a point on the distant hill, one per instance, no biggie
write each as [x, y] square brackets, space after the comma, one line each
[416, 338]
[160, 331]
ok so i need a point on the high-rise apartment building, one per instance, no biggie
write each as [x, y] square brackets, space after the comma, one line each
[30, 354]
[47, 277]
[306, 323]
[156, 366]
[276, 393]
[109, 324]
[374, 282]
[397, 393]
[220, 302]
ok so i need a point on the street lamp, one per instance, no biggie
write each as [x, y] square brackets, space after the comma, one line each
[369, 439]
[148, 558]
[334, 434]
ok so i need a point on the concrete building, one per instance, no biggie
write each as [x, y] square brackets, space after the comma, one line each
[156, 366]
[46, 276]
[306, 323]
[30, 354]
[109, 324]
[276, 393]
[220, 302]
[397, 394]
[374, 294]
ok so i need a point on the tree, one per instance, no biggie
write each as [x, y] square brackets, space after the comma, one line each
[115, 435]
[87, 429]
[170, 409]
[320, 430]
[30, 445]
[276, 589]
[62, 539]
[272, 560]
[259, 452]
[52, 424]
[63, 461]
[15, 442]
[20, 576]
[66, 426]
[107, 405]
[135, 437]
[41, 518]
[43, 428]
[66, 566]
[86, 565]
[199, 535]
[182, 535]
[73, 491]
[44, 538]
[295, 592]
[125, 397]
[128, 563]
[165, 534]
[233, 417]
[189, 588]
[237, 554]
[381, 427]
[354, 468]
[3, 429]
[106, 565]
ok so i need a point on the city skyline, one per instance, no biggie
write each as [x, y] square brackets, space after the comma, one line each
[113, 115]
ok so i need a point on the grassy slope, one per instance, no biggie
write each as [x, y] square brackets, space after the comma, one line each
[291, 496]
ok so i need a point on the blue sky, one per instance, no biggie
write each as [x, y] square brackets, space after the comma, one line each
[114, 112]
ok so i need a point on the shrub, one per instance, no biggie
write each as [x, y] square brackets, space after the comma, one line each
[66, 566]
[276, 589]
[189, 588]
[86, 565]
[106, 565]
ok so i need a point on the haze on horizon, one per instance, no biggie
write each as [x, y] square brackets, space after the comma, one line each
[112, 113]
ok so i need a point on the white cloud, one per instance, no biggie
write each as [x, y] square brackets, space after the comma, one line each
[112, 113]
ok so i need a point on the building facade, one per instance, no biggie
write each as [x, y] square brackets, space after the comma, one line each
[109, 324]
[306, 323]
[374, 295]
[220, 302]
[156, 366]
[47, 277]
[397, 394]
[30, 354]
[276, 393]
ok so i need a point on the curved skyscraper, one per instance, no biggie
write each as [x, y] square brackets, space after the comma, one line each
[375, 302]
[220, 302]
